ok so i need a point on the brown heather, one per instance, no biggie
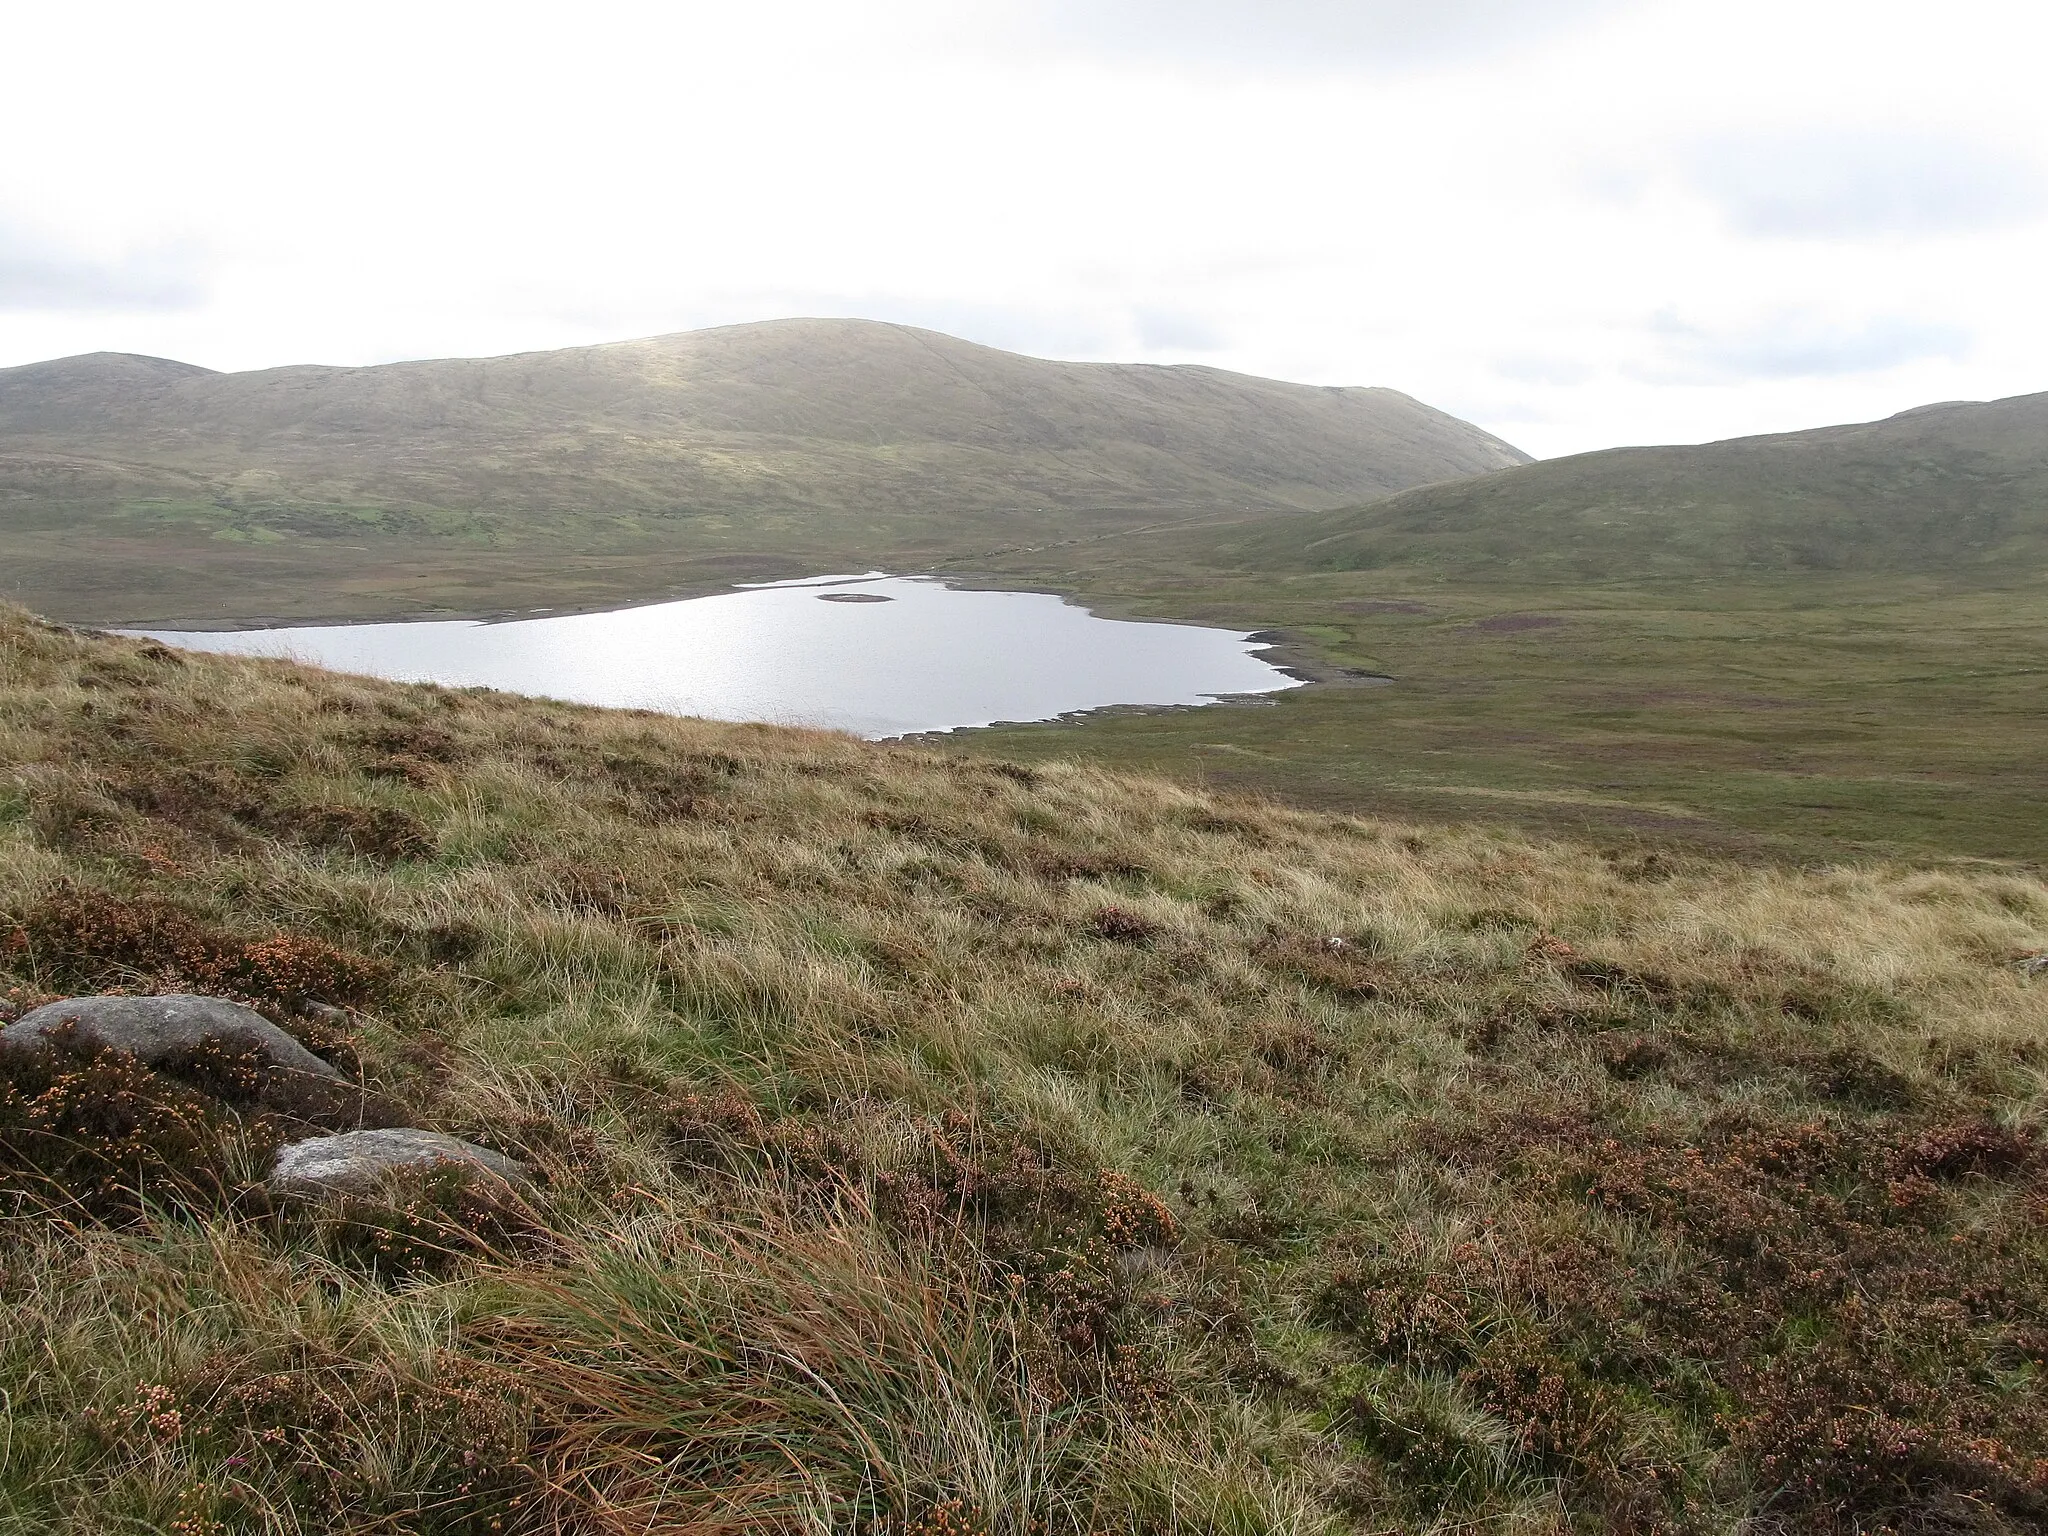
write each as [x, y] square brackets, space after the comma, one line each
[940, 1147]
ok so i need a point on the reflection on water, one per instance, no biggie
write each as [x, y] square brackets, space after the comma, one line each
[911, 655]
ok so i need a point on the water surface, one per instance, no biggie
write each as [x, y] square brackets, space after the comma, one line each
[875, 655]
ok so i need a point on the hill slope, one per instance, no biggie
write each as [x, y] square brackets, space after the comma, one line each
[1945, 489]
[935, 1146]
[814, 437]
[1835, 637]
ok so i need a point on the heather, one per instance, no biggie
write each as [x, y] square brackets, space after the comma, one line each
[931, 1144]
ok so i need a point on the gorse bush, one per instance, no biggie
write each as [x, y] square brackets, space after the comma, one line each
[929, 1147]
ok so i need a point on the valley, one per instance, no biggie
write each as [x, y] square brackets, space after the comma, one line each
[1146, 768]
[1808, 644]
[1801, 719]
[1813, 645]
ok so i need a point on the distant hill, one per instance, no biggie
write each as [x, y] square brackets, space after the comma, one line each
[827, 417]
[1944, 489]
[133, 487]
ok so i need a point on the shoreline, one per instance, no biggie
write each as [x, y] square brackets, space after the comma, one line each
[1291, 655]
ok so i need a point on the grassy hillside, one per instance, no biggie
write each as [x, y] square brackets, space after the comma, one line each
[1807, 645]
[1803, 644]
[941, 1146]
[1809, 720]
[1945, 490]
[133, 488]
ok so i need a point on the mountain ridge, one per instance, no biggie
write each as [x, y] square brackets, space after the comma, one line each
[136, 489]
[865, 383]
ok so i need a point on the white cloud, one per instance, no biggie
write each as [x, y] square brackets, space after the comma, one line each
[40, 273]
[1313, 35]
[1798, 344]
[1489, 206]
[1836, 184]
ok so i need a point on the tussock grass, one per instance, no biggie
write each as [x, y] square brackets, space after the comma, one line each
[938, 1145]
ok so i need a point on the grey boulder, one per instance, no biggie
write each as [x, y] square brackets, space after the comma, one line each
[227, 1051]
[161, 1031]
[359, 1162]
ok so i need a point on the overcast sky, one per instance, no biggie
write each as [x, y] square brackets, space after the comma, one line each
[1577, 222]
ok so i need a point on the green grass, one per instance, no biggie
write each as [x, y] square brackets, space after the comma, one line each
[1792, 716]
[934, 1145]
[1801, 646]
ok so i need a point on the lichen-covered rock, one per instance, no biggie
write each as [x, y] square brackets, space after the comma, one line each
[230, 1053]
[358, 1162]
[160, 1031]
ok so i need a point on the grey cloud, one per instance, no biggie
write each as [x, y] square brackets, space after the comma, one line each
[40, 274]
[1846, 185]
[1796, 345]
[1250, 35]
[1164, 330]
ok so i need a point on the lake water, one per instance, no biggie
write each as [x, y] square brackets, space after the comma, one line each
[876, 655]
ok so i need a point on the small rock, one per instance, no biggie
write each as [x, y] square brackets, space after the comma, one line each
[358, 1162]
[160, 1031]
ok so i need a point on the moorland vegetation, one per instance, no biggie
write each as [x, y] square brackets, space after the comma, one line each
[1794, 646]
[935, 1144]
[137, 489]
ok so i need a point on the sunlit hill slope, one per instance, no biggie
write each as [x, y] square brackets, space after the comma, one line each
[772, 447]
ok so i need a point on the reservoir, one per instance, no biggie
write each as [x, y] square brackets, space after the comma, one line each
[875, 655]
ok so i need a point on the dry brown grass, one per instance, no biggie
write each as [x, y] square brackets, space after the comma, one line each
[938, 1145]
